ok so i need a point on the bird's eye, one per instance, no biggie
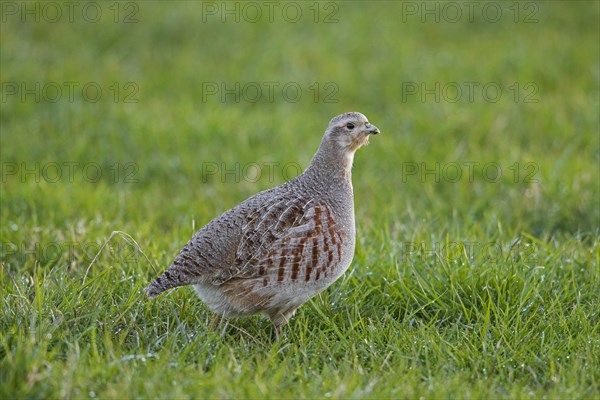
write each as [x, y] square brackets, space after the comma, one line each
[350, 125]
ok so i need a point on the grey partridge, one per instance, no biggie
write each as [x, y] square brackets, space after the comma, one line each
[277, 249]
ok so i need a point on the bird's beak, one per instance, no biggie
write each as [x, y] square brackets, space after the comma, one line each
[372, 129]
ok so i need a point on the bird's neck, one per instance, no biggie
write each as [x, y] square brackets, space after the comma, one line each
[331, 167]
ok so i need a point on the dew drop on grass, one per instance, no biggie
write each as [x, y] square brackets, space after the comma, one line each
[92, 394]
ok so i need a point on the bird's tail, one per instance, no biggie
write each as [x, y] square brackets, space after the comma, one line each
[183, 271]
[166, 281]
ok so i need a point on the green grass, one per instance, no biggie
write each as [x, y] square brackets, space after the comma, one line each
[478, 288]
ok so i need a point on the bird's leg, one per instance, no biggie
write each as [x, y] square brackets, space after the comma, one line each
[280, 319]
[277, 321]
[216, 318]
[277, 332]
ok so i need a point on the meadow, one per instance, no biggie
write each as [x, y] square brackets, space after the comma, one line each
[477, 267]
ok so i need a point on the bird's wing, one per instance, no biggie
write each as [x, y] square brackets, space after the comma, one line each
[275, 236]
[287, 238]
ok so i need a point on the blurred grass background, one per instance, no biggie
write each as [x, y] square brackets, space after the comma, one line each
[403, 312]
